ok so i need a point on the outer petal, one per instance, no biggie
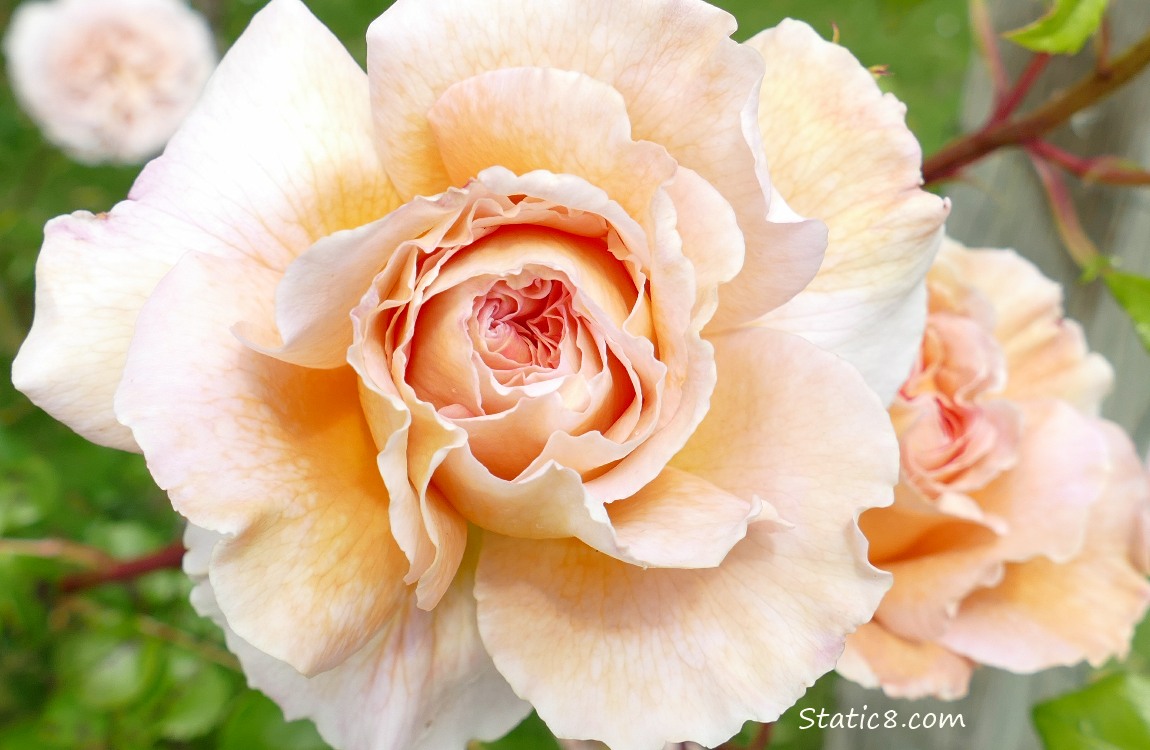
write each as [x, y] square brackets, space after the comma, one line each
[686, 85]
[1046, 354]
[875, 657]
[274, 456]
[423, 683]
[278, 153]
[1045, 614]
[578, 126]
[840, 151]
[748, 636]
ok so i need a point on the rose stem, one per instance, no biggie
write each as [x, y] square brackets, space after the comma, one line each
[965, 150]
[988, 44]
[126, 570]
[1082, 249]
[1009, 103]
[1108, 170]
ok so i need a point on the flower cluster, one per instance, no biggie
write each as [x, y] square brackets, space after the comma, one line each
[1018, 535]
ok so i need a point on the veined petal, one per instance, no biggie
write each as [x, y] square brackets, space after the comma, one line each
[272, 455]
[1044, 613]
[578, 126]
[796, 410]
[423, 683]
[279, 152]
[557, 615]
[839, 150]
[747, 636]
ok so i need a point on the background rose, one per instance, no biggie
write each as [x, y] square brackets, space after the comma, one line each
[1017, 536]
[532, 352]
[108, 80]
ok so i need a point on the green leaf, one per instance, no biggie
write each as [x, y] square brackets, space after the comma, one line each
[1133, 293]
[531, 734]
[1111, 714]
[198, 705]
[256, 723]
[1064, 29]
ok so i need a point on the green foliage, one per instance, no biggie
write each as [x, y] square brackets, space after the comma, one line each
[531, 734]
[1110, 714]
[1064, 29]
[1133, 293]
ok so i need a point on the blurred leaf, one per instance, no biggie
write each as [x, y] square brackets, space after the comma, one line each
[256, 723]
[109, 674]
[1111, 714]
[198, 705]
[531, 734]
[1133, 293]
[789, 732]
[1064, 29]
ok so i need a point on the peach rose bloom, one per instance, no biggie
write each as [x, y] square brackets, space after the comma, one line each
[108, 80]
[486, 379]
[1017, 538]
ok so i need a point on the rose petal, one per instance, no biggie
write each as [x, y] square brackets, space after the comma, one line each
[578, 126]
[1046, 614]
[556, 615]
[424, 683]
[272, 455]
[747, 636]
[839, 150]
[875, 657]
[1046, 354]
[796, 411]
[279, 152]
[1046, 498]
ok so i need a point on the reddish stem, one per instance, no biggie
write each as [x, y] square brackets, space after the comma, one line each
[1082, 249]
[169, 557]
[967, 149]
[1009, 103]
[1109, 170]
[988, 42]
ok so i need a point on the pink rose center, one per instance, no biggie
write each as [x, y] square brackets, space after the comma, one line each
[521, 326]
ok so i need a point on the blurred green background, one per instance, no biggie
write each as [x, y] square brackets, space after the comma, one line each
[130, 666]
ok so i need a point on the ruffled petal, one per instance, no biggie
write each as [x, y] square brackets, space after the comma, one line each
[814, 442]
[839, 150]
[1044, 613]
[876, 658]
[423, 683]
[1046, 354]
[272, 455]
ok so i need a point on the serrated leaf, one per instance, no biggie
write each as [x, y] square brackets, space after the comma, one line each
[1064, 29]
[1133, 293]
[1111, 714]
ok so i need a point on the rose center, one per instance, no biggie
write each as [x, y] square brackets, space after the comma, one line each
[518, 324]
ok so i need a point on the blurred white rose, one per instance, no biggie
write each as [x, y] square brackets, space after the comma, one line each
[108, 80]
